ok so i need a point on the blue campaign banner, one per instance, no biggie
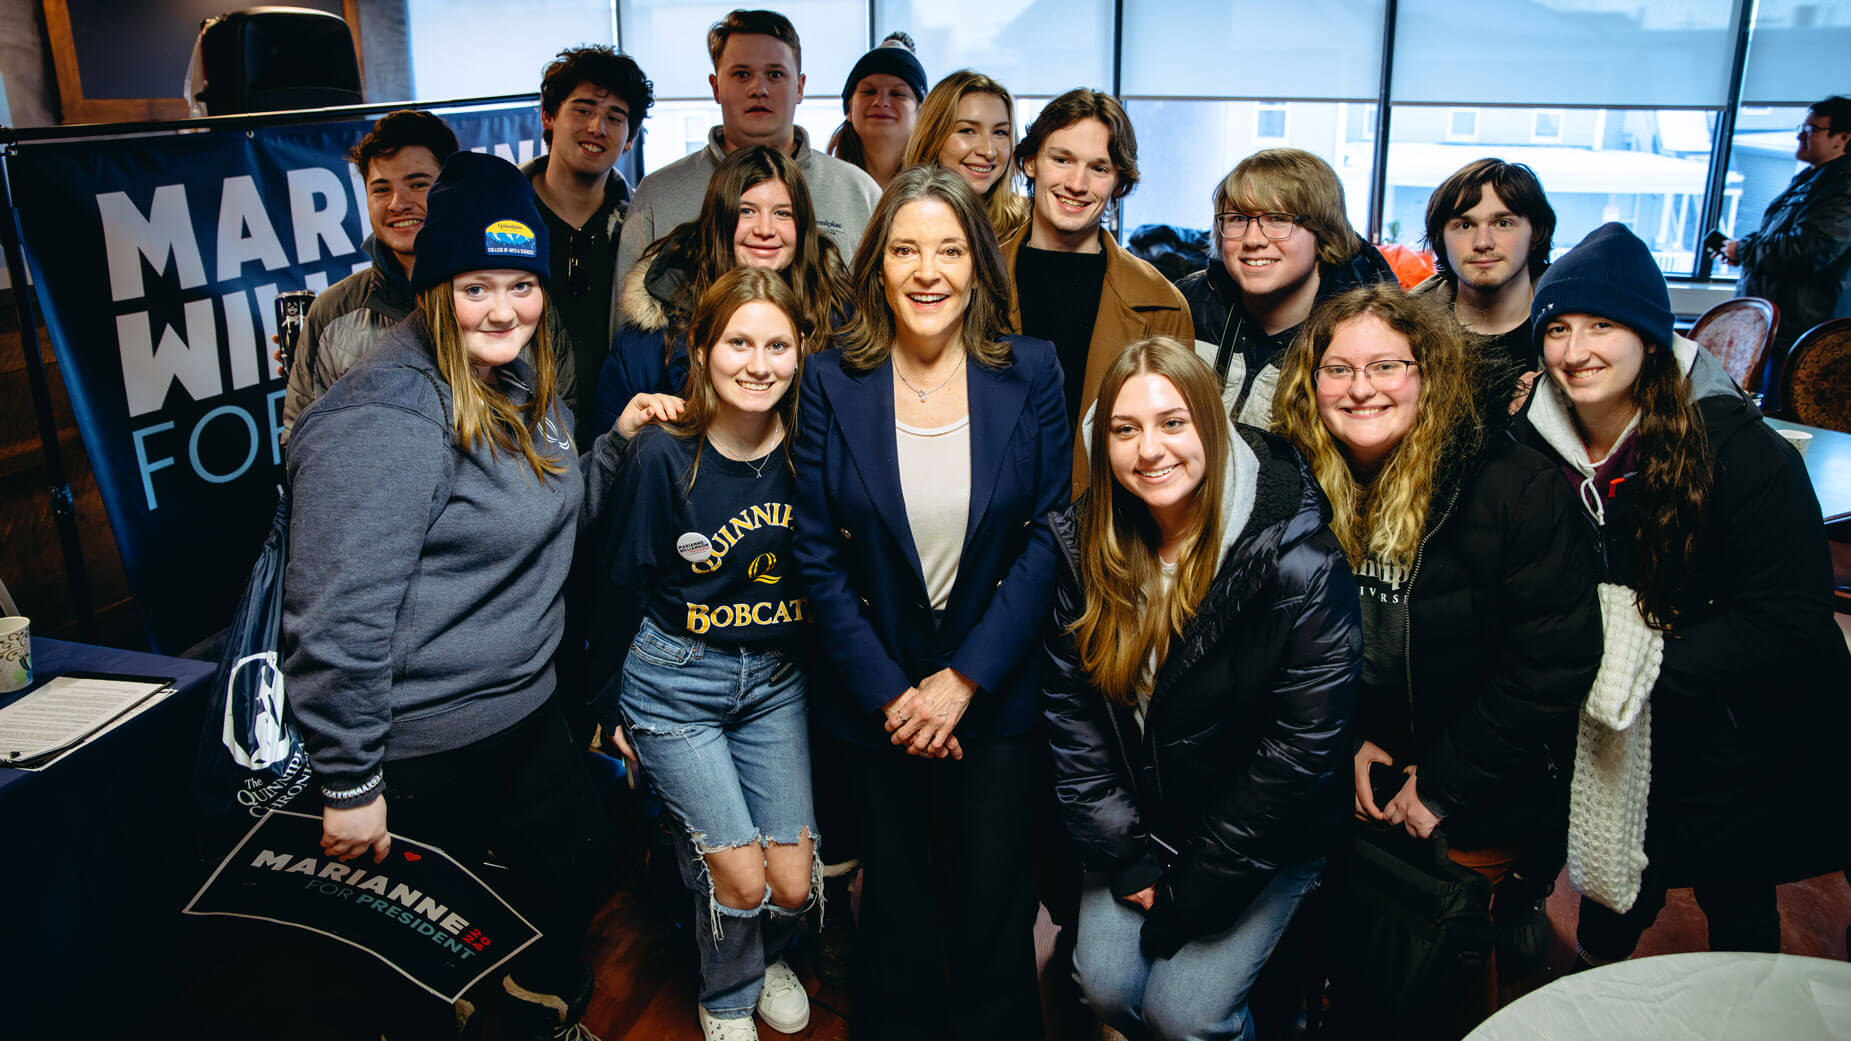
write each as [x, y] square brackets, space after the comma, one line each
[157, 259]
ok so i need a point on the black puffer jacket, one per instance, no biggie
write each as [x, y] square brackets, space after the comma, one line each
[1751, 710]
[1243, 766]
[1502, 643]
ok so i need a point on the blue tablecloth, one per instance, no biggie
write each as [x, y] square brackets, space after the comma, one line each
[101, 850]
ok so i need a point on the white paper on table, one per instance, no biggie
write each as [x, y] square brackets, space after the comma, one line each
[69, 710]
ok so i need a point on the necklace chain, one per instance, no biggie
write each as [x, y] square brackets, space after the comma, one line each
[757, 471]
[939, 386]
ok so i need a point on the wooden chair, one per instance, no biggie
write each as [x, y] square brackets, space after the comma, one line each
[1738, 332]
[1815, 381]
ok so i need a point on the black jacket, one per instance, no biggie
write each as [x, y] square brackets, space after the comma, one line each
[1502, 643]
[1751, 708]
[1245, 350]
[1243, 767]
[1801, 256]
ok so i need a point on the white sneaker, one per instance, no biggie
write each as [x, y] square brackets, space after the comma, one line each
[740, 1029]
[782, 1003]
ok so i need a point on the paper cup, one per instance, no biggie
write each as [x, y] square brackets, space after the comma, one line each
[15, 654]
[1798, 439]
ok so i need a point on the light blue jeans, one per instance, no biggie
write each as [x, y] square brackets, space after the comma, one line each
[722, 734]
[1200, 994]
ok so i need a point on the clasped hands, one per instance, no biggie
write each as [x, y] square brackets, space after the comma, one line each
[922, 719]
[1405, 808]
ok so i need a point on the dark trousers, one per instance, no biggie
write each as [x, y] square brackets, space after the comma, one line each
[520, 799]
[1741, 918]
[947, 945]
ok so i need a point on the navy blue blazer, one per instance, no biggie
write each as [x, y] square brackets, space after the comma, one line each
[860, 565]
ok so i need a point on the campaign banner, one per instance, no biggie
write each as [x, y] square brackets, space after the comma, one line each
[419, 911]
[157, 258]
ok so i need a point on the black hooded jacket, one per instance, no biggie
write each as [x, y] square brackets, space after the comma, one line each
[1502, 641]
[1243, 765]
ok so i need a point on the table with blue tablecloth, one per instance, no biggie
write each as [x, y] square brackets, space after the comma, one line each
[101, 850]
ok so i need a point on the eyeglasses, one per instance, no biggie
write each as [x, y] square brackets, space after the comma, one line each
[1815, 128]
[1387, 374]
[1272, 225]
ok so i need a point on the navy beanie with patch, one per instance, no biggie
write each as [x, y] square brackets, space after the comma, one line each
[479, 216]
[894, 57]
[1611, 274]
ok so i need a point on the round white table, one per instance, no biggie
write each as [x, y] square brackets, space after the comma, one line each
[1686, 997]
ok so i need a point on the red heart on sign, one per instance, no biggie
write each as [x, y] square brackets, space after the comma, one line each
[409, 855]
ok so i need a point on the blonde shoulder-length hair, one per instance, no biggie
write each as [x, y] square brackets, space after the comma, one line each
[1387, 517]
[1127, 616]
[938, 117]
[479, 409]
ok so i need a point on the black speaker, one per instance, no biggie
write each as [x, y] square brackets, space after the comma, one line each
[268, 59]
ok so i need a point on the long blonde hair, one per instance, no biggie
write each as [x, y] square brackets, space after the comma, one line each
[938, 115]
[1124, 621]
[483, 410]
[1387, 518]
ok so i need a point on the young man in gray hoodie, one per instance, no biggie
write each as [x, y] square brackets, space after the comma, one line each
[757, 81]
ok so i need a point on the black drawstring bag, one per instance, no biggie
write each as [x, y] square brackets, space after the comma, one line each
[251, 756]
[1405, 929]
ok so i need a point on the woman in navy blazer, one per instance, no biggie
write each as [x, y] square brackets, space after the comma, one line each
[930, 449]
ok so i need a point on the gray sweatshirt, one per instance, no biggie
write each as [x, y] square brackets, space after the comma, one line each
[842, 194]
[423, 596]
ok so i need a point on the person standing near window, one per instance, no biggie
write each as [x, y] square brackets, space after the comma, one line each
[758, 83]
[1200, 678]
[1702, 510]
[1490, 227]
[1481, 632]
[967, 126]
[930, 450]
[1800, 257]
[1284, 244]
[880, 99]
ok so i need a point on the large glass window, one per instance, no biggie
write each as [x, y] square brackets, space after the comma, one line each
[1646, 168]
[1565, 52]
[1039, 49]
[1761, 163]
[669, 39]
[1312, 49]
[453, 56]
[1185, 148]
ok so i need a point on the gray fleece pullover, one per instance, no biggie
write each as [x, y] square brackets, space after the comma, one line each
[842, 194]
[423, 596]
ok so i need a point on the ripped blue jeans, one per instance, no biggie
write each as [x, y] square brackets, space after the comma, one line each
[722, 735]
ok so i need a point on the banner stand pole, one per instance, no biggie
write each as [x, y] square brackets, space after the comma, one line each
[63, 507]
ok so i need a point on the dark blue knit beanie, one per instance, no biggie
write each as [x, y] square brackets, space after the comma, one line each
[1610, 274]
[479, 216]
[894, 57]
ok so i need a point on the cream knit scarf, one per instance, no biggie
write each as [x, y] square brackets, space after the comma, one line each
[1613, 758]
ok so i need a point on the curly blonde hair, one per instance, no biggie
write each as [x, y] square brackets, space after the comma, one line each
[1387, 517]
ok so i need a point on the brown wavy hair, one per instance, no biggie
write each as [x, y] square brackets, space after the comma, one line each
[483, 410]
[1676, 475]
[938, 116]
[868, 338]
[1126, 619]
[1387, 517]
[704, 245]
[723, 299]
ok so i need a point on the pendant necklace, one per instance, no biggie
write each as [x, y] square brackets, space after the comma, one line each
[941, 383]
